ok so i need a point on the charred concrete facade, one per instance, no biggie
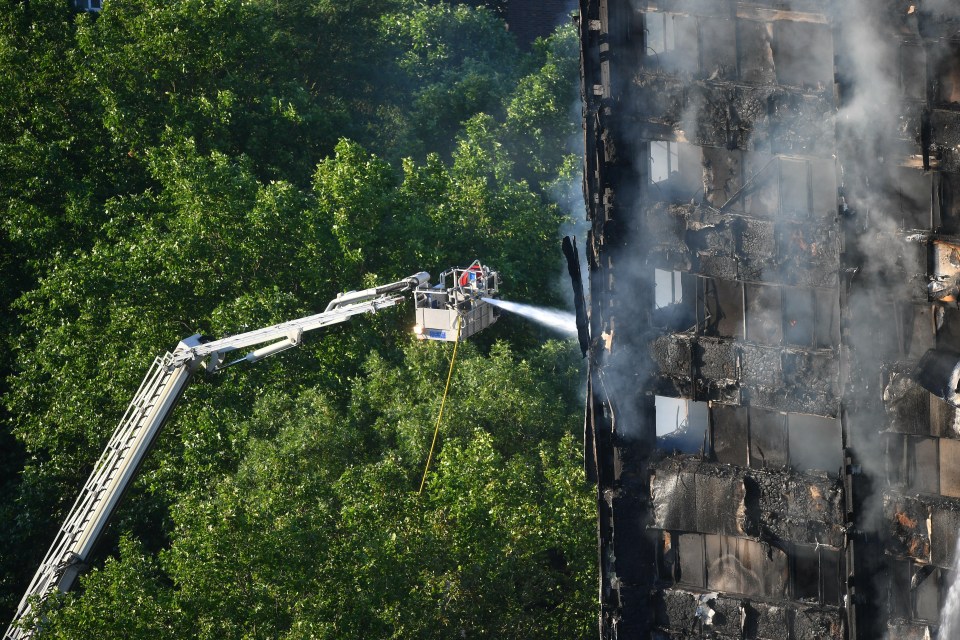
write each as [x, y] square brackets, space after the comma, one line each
[773, 192]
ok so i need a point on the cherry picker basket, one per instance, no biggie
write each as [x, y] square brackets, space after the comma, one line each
[459, 294]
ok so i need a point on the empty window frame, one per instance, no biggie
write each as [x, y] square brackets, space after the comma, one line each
[925, 461]
[803, 54]
[913, 72]
[815, 443]
[661, 35]
[947, 197]
[669, 288]
[671, 42]
[786, 186]
[925, 583]
[722, 312]
[790, 53]
[823, 188]
[948, 78]
[816, 574]
[668, 559]
[901, 572]
[664, 160]
[827, 322]
[722, 175]
[805, 577]
[811, 317]
[761, 191]
[796, 185]
[737, 565]
[915, 590]
[915, 332]
[918, 464]
[948, 332]
[764, 317]
[906, 404]
[914, 196]
[949, 472]
[807, 185]
[681, 424]
[718, 48]
[769, 445]
[731, 436]
[943, 417]
[944, 533]
[791, 315]
[765, 439]
[675, 300]
[799, 316]
[755, 52]
[88, 5]
[765, 185]
[674, 170]
[691, 561]
[714, 305]
[725, 49]
[832, 576]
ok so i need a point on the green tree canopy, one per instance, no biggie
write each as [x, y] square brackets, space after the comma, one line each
[214, 166]
[319, 531]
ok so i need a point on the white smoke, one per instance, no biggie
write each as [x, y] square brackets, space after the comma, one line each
[950, 615]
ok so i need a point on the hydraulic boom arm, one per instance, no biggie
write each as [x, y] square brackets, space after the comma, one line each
[151, 406]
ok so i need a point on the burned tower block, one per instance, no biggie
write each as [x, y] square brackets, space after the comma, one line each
[773, 192]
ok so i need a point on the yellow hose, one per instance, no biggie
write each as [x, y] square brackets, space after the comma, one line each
[443, 401]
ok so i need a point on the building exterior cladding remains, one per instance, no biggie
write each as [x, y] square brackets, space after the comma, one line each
[773, 192]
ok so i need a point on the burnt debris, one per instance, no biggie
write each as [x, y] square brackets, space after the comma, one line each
[569, 247]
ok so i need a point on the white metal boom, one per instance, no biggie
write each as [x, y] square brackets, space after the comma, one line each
[151, 406]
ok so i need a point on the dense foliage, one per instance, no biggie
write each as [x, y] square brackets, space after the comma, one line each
[212, 166]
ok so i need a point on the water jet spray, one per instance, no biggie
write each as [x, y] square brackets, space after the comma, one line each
[561, 321]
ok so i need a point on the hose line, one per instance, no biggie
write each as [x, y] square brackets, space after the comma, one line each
[443, 401]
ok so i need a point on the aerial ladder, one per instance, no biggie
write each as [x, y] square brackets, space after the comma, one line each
[145, 416]
[454, 308]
